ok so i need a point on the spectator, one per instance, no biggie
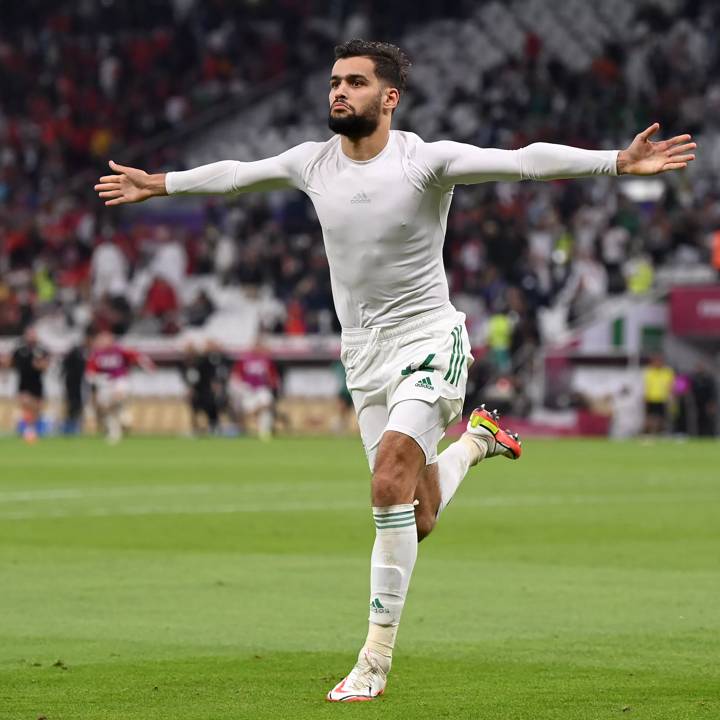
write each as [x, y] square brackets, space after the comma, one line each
[161, 304]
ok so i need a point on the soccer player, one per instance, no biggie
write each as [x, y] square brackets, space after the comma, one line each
[30, 359]
[253, 384]
[108, 370]
[382, 197]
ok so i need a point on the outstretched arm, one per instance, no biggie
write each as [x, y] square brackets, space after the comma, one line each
[131, 185]
[459, 164]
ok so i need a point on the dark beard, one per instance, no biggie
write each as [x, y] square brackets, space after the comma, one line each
[356, 126]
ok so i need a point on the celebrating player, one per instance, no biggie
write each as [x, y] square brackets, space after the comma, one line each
[382, 197]
[108, 369]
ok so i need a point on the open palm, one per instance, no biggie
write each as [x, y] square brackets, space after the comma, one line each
[129, 185]
[644, 157]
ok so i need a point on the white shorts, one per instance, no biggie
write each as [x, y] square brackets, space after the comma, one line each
[409, 378]
[112, 391]
[249, 399]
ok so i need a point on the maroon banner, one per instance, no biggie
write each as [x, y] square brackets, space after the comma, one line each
[695, 311]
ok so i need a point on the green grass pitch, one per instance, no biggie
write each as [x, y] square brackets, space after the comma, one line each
[207, 579]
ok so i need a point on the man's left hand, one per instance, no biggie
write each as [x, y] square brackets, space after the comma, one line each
[644, 157]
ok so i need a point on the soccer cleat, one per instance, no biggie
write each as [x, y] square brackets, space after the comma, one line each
[485, 424]
[366, 680]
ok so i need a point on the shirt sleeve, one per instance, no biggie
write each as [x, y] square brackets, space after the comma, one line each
[453, 163]
[280, 172]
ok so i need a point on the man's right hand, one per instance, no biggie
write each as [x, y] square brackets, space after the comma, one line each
[129, 185]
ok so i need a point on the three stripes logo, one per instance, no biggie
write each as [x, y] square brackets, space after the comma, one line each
[425, 382]
[396, 519]
[360, 198]
[456, 358]
[377, 607]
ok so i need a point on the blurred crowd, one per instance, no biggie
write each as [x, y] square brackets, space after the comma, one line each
[99, 78]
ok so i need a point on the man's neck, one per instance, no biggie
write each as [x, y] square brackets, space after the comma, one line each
[365, 148]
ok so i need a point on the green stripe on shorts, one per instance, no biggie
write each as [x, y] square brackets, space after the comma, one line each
[458, 366]
[455, 353]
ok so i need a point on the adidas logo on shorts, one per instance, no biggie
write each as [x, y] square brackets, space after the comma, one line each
[425, 382]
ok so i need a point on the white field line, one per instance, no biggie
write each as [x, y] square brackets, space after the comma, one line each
[329, 505]
[14, 496]
[141, 491]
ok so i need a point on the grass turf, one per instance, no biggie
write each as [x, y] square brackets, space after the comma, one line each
[227, 578]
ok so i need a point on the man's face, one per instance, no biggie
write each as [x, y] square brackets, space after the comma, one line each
[356, 97]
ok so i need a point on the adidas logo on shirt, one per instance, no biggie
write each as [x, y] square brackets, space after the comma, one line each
[425, 382]
[361, 197]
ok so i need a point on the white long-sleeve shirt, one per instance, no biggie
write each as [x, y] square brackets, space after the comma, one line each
[384, 219]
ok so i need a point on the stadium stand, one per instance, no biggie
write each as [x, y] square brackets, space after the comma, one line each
[133, 83]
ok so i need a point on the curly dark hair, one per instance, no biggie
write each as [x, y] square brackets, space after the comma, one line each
[391, 63]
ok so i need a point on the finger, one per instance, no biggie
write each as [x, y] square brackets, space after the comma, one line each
[116, 201]
[681, 149]
[674, 166]
[108, 186]
[111, 178]
[111, 194]
[649, 132]
[679, 139]
[683, 158]
[119, 168]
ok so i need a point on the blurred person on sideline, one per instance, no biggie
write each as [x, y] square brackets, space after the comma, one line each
[30, 360]
[705, 391]
[202, 374]
[253, 387]
[72, 370]
[108, 374]
[658, 381]
[682, 405]
[382, 197]
[342, 421]
[627, 412]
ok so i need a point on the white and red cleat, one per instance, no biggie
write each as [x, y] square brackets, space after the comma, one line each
[366, 680]
[486, 425]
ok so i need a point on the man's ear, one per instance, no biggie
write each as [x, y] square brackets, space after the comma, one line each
[392, 98]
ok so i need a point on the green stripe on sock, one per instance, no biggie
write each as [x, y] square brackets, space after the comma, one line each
[394, 518]
[397, 525]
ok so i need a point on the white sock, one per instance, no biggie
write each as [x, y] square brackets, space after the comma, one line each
[264, 423]
[393, 558]
[453, 464]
